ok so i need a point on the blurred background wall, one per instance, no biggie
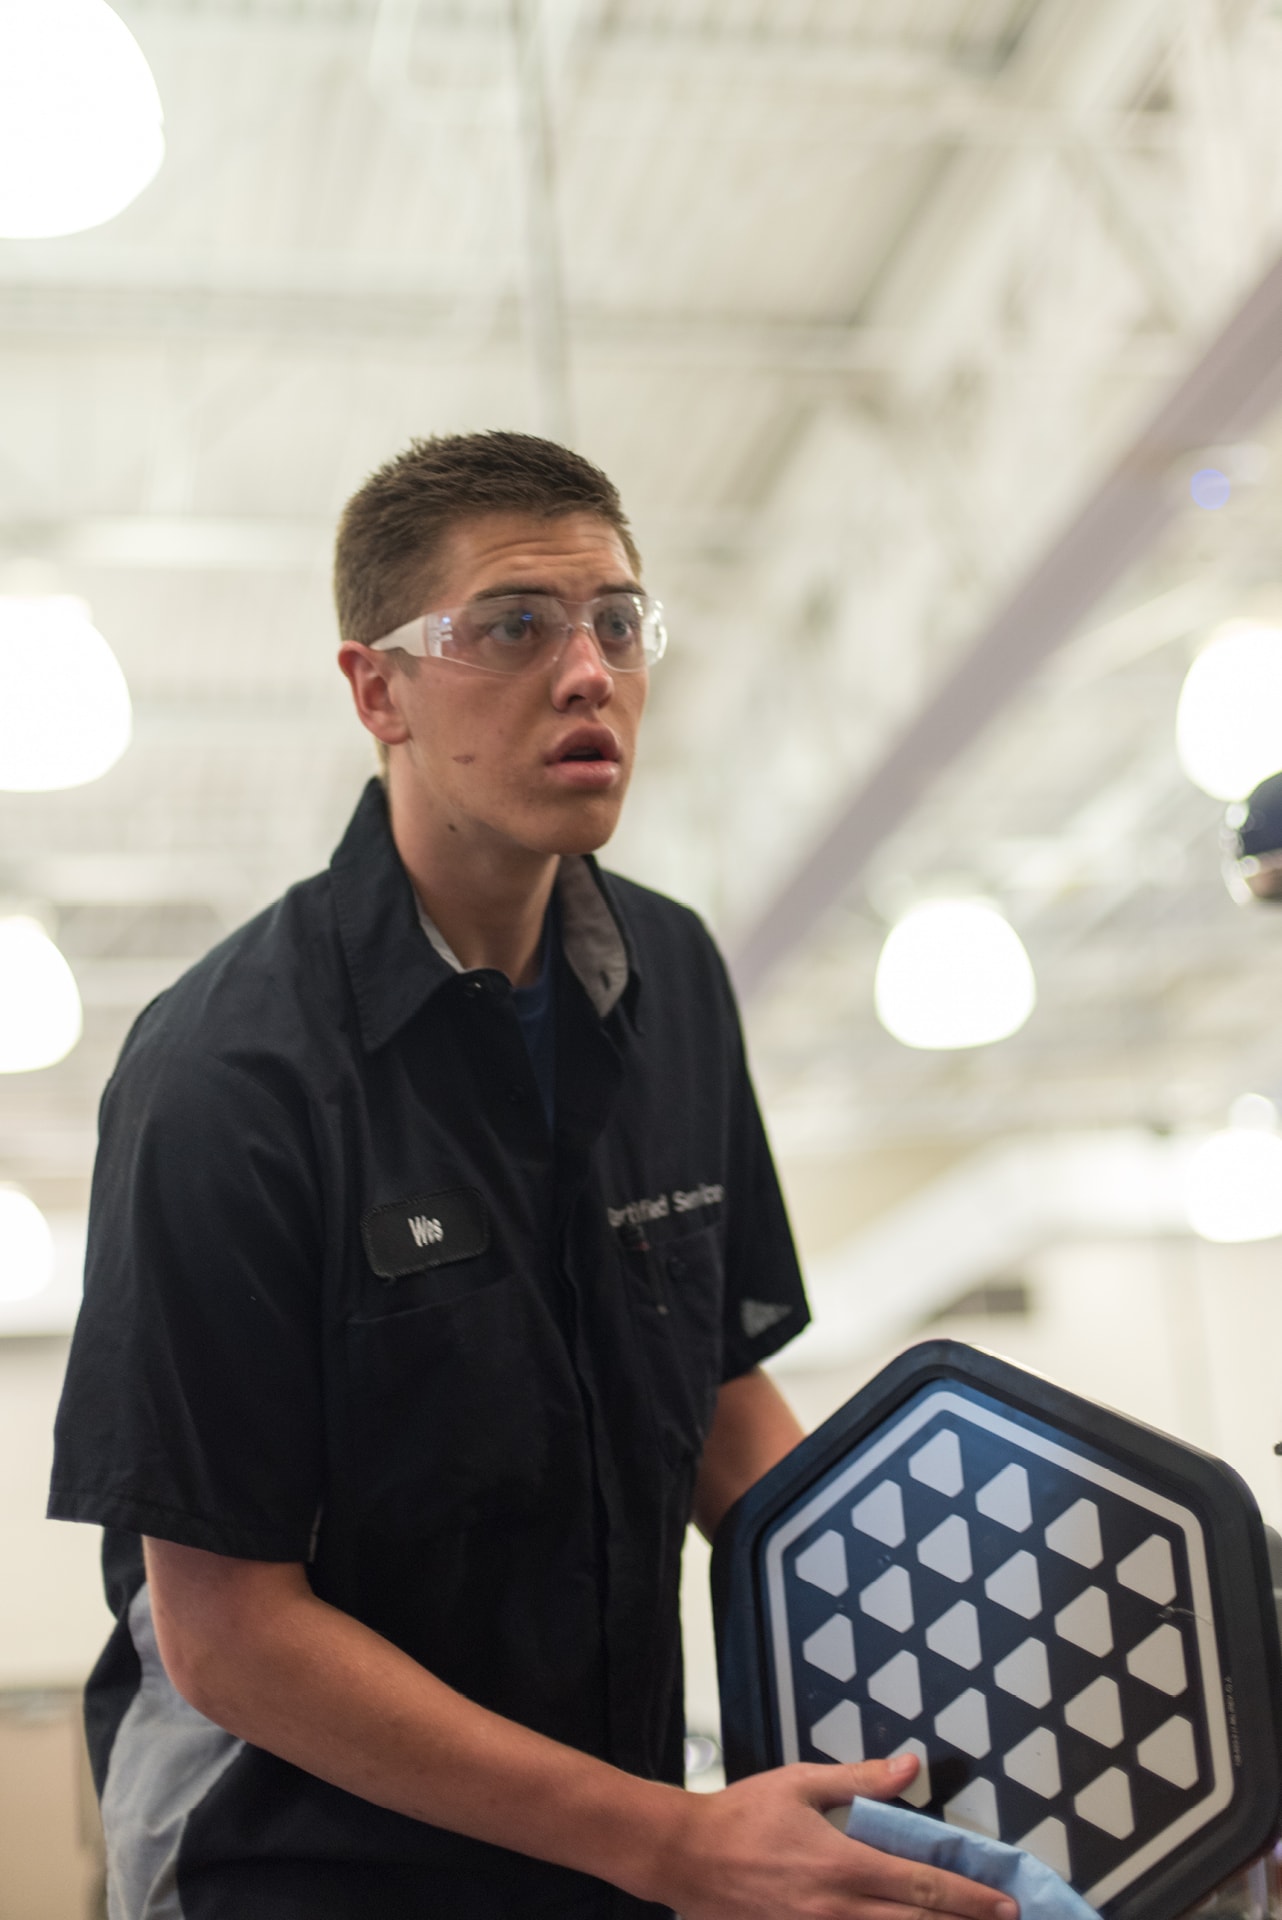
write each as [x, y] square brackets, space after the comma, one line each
[935, 348]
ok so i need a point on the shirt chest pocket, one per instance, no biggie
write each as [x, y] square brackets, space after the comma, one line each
[463, 1409]
[675, 1291]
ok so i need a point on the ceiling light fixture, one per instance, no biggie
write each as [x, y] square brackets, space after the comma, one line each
[81, 126]
[1228, 726]
[65, 716]
[1211, 489]
[40, 1013]
[26, 1246]
[1233, 1180]
[953, 973]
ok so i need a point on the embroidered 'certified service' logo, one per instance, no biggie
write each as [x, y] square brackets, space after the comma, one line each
[426, 1230]
[637, 1213]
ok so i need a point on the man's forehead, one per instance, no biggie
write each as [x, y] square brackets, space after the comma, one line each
[489, 549]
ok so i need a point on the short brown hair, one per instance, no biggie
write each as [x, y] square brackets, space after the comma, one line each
[392, 528]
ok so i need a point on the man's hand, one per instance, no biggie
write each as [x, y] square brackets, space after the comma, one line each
[762, 1850]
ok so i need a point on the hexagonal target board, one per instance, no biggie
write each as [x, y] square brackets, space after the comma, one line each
[1066, 1616]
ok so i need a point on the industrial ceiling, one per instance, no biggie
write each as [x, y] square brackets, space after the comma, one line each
[862, 303]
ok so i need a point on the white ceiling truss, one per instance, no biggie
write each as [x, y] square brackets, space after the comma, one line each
[860, 301]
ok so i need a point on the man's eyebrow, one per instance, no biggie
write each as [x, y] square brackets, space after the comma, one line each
[514, 589]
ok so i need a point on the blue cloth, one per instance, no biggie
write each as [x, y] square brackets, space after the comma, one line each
[1040, 1892]
[536, 1010]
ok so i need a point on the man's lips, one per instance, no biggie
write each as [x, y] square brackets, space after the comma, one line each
[588, 759]
[586, 745]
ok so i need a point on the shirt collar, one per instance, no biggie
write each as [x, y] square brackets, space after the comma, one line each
[394, 970]
[437, 938]
[591, 939]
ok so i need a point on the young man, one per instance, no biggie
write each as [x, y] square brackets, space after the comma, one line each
[434, 1246]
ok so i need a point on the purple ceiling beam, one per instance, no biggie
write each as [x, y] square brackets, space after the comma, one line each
[1231, 388]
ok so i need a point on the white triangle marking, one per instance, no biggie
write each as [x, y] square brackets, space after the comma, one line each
[890, 1600]
[1048, 1842]
[946, 1549]
[823, 1564]
[1150, 1570]
[939, 1465]
[1025, 1673]
[974, 1808]
[1076, 1534]
[1035, 1763]
[840, 1733]
[1097, 1712]
[831, 1648]
[1159, 1660]
[880, 1514]
[1006, 1499]
[1015, 1585]
[955, 1635]
[1086, 1622]
[1170, 1753]
[964, 1723]
[1106, 1803]
[897, 1685]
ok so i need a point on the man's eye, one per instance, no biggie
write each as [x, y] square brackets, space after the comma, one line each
[618, 628]
[510, 629]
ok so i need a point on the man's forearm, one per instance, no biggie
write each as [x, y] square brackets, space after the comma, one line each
[250, 1646]
[289, 1673]
[753, 1429]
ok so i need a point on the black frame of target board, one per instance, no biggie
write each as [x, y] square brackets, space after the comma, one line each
[1245, 1637]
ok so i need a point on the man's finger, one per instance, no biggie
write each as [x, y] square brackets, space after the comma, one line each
[908, 1883]
[870, 1779]
[873, 1909]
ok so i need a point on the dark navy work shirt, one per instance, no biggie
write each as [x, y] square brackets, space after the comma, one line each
[536, 1010]
[348, 1303]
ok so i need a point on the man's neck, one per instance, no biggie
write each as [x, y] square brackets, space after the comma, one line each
[487, 898]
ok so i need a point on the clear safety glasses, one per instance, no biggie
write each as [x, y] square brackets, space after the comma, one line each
[513, 632]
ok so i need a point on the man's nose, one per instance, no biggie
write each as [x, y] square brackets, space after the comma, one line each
[580, 673]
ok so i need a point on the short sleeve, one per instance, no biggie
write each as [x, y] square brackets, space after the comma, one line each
[765, 1298]
[192, 1404]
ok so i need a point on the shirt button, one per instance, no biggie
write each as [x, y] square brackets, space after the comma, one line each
[475, 988]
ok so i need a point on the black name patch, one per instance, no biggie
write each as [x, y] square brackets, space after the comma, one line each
[430, 1230]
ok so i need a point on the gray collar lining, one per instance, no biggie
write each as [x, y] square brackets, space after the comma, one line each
[593, 944]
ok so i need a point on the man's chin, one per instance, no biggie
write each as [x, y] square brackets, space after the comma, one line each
[577, 830]
[569, 845]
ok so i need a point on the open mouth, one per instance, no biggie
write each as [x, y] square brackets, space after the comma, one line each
[587, 744]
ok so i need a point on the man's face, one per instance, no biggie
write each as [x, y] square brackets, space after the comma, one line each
[489, 754]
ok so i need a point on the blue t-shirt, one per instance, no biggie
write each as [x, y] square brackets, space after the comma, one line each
[536, 1010]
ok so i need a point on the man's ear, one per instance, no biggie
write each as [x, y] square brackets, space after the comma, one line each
[373, 679]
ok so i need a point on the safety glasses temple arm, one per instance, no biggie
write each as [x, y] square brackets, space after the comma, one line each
[411, 638]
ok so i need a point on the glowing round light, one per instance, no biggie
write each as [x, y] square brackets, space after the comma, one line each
[1228, 727]
[26, 1247]
[953, 973]
[40, 1014]
[1255, 1111]
[81, 127]
[65, 715]
[1210, 489]
[1233, 1187]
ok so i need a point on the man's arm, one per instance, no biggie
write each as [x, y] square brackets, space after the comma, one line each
[752, 1430]
[251, 1646]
